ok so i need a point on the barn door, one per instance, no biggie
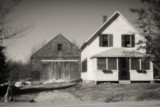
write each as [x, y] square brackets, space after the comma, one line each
[64, 71]
[67, 71]
[59, 71]
[54, 69]
[74, 71]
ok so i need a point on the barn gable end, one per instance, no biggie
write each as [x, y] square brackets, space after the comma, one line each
[59, 59]
[50, 50]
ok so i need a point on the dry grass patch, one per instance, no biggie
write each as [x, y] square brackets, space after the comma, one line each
[116, 92]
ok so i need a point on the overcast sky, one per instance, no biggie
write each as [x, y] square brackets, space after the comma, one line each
[77, 20]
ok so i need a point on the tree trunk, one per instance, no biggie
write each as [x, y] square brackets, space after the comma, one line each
[9, 94]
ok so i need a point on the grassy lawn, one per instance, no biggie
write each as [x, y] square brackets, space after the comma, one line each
[116, 92]
[93, 93]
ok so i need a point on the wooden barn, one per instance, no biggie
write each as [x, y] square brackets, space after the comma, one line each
[59, 59]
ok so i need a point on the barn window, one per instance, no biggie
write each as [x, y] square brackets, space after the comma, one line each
[84, 66]
[128, 40]
[145, 64]
[112, 63]
[36, 75]
[135, 64]
[59, 47]
[106, 40]
[101, 63]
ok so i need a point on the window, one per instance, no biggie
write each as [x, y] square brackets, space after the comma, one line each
[84, 66]
[101, 63]
[135, 64]
[112, 63]
[37, 75]
[106, 40]
[145, 64]
[59, 47]
[128, 40]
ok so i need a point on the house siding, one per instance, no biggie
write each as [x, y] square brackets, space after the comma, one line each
[119, 27]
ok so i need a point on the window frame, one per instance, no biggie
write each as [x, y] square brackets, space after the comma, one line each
[59, 47]
[131, 40]
[142, 62]
[136, 63]
[84, 65]
[112, 63]
[109, 40]
[105, 64]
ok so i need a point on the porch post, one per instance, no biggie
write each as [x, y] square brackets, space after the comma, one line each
[129, 64]
[107, 63]
[117, 65]
[140, 64]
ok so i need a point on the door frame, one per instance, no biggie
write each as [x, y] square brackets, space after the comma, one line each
[124, 73]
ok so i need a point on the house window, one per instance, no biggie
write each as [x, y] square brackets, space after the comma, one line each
[106, 40]
[135, 64]
[59, 47]
[101, 63]
[128, 40]
[145, 64]
[84, 66]
[112, 63]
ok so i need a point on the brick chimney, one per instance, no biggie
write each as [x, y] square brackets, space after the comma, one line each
[104, 18]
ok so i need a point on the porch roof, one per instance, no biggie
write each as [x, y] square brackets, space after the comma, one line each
[120, 52]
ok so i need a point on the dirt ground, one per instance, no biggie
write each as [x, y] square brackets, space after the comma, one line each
[66, 99]
[103, 95]
[57, 97]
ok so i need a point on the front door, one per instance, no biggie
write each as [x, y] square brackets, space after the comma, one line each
[124, 69]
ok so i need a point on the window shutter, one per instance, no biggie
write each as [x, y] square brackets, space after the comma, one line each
[100, 40]
[123, 40]
[110, 40]
[133, 40]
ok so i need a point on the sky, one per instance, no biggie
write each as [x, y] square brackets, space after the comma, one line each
[77, 20]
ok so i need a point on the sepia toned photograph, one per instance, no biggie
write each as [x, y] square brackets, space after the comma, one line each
[79, 53]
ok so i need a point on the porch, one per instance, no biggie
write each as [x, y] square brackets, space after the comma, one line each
[109, 66]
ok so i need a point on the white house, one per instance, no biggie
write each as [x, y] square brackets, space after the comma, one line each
[111, 54]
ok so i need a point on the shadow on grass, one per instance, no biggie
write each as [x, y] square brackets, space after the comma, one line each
[40, 89]
[36, 88]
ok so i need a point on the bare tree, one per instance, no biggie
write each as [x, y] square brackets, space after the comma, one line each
[149, 22]
[7, 31]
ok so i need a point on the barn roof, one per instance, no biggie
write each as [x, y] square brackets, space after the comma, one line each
[120, 52]
[105, 25]
[42, 52]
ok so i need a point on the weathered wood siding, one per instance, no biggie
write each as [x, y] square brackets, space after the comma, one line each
[67, 71]
[49, 51]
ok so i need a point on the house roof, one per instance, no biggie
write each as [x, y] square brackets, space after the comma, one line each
[105, 25]
[120, 52]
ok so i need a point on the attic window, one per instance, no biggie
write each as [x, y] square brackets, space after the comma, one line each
[128, 40]
[106, 40]
[59, 47]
